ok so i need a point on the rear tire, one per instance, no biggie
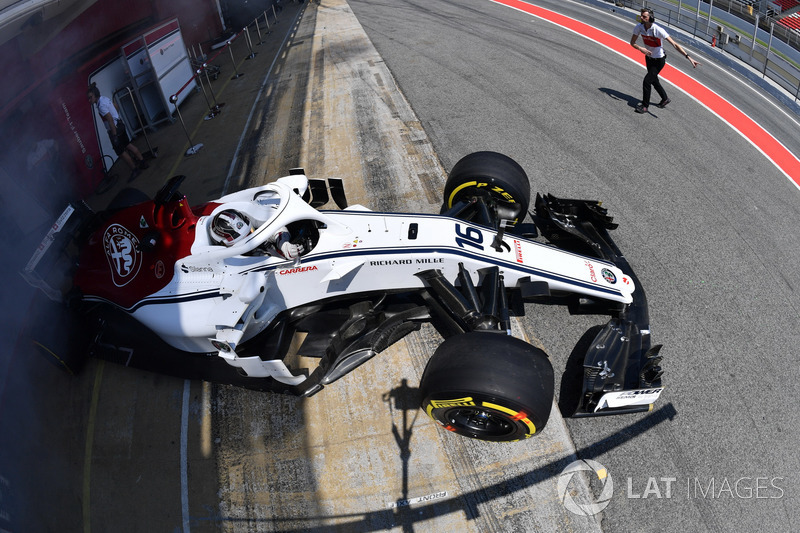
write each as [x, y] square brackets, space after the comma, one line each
[488, 386]
[493, 177]
[59, 334]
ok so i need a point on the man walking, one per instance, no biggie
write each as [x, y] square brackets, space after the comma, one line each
[655, 58]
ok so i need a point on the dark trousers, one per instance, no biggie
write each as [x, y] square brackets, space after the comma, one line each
[654, 66]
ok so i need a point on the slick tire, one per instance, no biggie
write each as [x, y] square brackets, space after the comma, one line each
[496, 178]
[488, 386]
[59, 334]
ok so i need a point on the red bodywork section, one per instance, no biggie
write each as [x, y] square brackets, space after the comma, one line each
[133, 252]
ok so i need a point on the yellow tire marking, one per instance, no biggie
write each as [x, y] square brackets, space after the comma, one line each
[499, 190]
[455, 191]
[514, 414]
[455, 402]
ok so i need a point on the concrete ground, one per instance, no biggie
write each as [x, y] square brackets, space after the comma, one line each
[117, 449]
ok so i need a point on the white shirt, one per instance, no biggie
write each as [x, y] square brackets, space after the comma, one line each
[653, 39]
[106, 106]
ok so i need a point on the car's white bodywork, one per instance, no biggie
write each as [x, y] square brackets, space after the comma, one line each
[363, 280]
[222, 296]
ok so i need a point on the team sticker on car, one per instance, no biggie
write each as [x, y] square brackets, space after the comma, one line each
[629, 398]
[295, 270]
[123, 254]
[607, 274]
[518, 251]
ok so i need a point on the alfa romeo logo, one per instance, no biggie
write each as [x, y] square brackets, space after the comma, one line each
[122, 253]
[566, 495]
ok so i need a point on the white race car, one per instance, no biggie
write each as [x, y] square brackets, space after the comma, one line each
[219, 292]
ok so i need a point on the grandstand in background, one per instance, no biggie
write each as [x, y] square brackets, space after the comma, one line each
[786, 13]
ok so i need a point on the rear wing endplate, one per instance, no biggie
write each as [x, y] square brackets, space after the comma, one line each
[48, 266]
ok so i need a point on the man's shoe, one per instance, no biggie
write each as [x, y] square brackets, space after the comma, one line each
[641, 109]
[663, 103]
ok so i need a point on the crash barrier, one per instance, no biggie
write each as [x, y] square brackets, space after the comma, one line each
[203, 68]
[733, 30]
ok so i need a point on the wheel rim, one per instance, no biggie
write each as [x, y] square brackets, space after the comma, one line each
[470, 190]
[484, 203]
[480, 423]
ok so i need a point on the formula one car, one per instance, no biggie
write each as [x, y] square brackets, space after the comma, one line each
[225, 290]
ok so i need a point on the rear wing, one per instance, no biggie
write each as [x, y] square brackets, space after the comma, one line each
[50, 267]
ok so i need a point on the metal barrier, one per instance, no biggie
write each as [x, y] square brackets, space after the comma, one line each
[152, 151]
[202, 65]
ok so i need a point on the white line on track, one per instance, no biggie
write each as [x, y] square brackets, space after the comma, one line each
[755, 91]
[184, 459]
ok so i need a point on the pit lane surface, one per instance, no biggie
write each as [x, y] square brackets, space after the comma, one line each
[705, 219]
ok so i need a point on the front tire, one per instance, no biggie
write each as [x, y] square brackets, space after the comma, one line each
[494, 179]
[488, 386]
